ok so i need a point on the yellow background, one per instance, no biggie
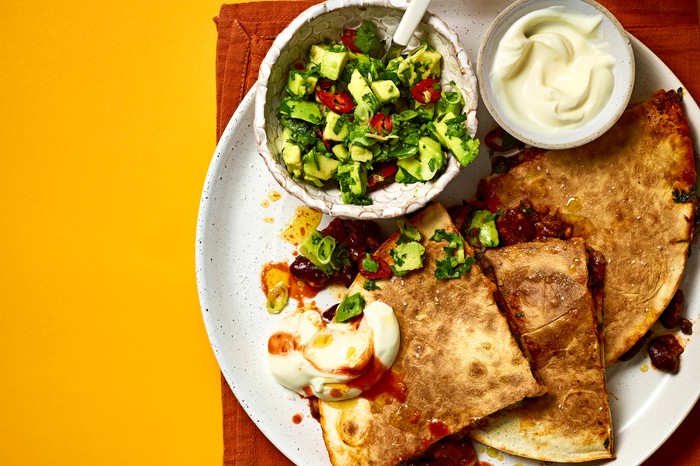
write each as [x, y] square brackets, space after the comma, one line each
[106, 133]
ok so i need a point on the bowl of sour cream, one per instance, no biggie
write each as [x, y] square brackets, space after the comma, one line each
[556, 74]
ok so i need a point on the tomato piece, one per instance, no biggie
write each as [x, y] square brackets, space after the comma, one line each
[426, 91]
[348, 39]
[381, 123]
[381, 174]
[384, 271]
[339, 103]
[319, 133]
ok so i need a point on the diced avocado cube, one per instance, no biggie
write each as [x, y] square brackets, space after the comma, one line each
[352, 178]
[431, 157]
[463, 147]
[319, 166]
[341, 152]
[336, 128]
[483, 222]
[402, 69]
[292, 159]
[301, 109]
[385, 91]
[287, 136]
[407, 257]
[425, 165]
[360, 154]
[426, 62]
[409, 166]
[332, 64]
[450, 101]
[367, 102]
[316, 54]
[301, 82]
[402, 176]
[291, 153]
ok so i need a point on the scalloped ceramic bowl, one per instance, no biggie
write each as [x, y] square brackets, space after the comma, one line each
[326, 21]
[620, 48]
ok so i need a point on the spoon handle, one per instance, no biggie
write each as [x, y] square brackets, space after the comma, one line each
[409, 21]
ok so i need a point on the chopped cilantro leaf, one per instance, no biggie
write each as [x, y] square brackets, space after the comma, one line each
[398, 257]
[371, 285]
[450, 268]
[681, 196]
[455, 263]
[366, 38]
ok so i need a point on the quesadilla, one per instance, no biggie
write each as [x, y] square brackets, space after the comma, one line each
[628, 195]
[457, 360]
[546, 297]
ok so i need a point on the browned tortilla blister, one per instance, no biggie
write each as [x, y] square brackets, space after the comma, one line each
[618, 192]
[548, 302]
[457, 361]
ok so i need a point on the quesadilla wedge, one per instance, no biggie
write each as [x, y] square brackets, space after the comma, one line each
[627, 194]
[457, 361]
[546, 297]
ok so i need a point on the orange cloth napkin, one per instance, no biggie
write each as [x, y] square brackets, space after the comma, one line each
[246, 31]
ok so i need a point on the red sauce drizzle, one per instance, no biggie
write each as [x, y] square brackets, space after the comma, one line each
[281, 343]
[374, 372]
[298, 290]
[438, 428]
[297, 418]
[389, 384]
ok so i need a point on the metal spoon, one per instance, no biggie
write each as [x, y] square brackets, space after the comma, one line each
[407, 26]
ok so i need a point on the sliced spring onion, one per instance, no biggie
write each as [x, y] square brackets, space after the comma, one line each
[277, 298]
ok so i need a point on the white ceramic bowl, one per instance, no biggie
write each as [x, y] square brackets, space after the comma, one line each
[326, 21]
[623, 72]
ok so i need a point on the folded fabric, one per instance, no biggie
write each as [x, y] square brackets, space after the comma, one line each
[246, 31]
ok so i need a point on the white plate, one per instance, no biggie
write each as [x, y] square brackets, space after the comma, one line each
[235, 239]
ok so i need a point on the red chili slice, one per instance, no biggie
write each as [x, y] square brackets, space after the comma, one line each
[381, 174]
[384, 271]
[426, 91]
[381, 123]
[339, 103]
[348, 39]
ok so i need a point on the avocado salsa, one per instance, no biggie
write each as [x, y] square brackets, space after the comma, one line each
[351, 119]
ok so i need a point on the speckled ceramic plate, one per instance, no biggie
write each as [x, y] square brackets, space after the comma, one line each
[237, 234]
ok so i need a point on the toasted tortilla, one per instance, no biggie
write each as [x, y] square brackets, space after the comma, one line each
[618, 192]
[457, 362]
[547, 299]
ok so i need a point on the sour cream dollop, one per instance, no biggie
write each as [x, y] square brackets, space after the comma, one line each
[333, 361]
[553, 70]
